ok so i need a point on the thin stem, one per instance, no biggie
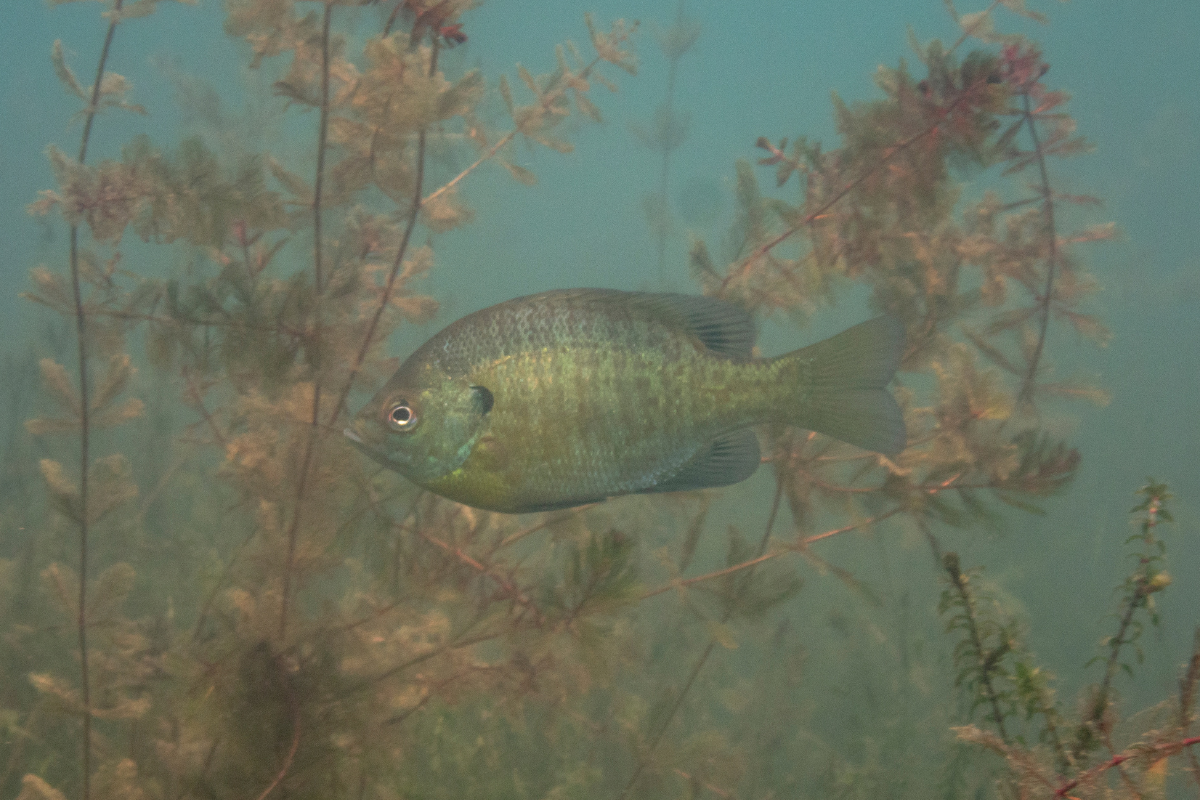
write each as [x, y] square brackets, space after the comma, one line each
[84, 443]
[547, 98]
[1026, 394]
[293, 533]
[708, 576]
[197, 399]
[294, 707]
[987, 659]
[1100, 701]
[656, 736]
[694, 780]
[1140, 586]
[84, 419]
[401, 250]
[314, 425]
[664, 174]
[816, 537]
[211, 598]
[1187, 696]
[545, 522]
[1160, 750]
[322, 138]
[800, 546]
[509, 589]
[1110, 666]
[92, 108]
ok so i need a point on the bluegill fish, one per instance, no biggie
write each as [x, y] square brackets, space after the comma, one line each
[577, 395]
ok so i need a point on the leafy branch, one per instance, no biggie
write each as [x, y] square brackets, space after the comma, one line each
[979, 653]
[1138, 590]
[534, 121]
[103, 484]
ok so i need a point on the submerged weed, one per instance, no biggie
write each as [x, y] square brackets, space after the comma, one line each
[234, 604]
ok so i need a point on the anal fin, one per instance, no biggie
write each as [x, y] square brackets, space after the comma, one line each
[728, 459]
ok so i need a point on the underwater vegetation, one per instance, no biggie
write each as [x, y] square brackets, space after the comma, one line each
[205, 592]
[667, 129]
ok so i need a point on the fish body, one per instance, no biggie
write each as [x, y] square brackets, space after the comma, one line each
[574, 396]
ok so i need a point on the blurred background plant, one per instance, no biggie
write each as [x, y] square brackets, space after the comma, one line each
[204, 592]
[666, 132]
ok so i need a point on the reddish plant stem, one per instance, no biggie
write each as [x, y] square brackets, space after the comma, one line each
[546, 100]
[1187, 696]
[1168, 749]
[294, 707]
[195, 395]
[393, 273]
[322, 138]
[801, 545]
[764, 557]
[314, 425]
[507, 587]
[84, 421]
[1026, 393]
[668, 718]
[84, 442]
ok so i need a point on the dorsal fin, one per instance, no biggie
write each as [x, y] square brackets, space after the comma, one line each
[722, 327]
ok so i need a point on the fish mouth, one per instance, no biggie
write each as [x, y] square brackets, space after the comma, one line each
[360, 436]
[360, 442]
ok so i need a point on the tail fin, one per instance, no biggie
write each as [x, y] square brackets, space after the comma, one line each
[845, 380]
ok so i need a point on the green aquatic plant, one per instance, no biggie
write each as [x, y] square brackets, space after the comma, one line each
[235, 604]
[1137, 595]
[1001, 674]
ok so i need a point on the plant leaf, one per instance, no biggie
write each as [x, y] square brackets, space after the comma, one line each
[64, 72]
[64, 493]
[112, 485]
[58, 383]
[520, 173]
[120, 370]
[33, 787]
[109, 592]
[295, 185]
[61, 584]
[116, 415]
[41, 426]
[722, 634]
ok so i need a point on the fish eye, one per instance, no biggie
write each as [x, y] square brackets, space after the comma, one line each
[401, 416]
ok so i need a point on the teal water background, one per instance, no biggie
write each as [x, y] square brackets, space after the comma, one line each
[763, 69]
